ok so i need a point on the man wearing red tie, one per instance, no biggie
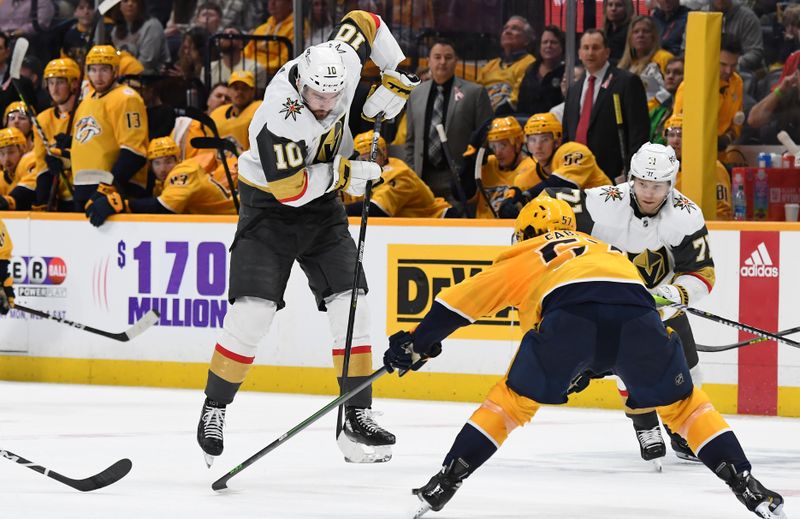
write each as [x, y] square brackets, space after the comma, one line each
[589, 110]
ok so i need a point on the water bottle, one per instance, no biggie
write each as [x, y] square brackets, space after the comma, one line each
[739, 204]
[761, 195]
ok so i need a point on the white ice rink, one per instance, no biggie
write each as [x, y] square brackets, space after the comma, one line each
[566, 463]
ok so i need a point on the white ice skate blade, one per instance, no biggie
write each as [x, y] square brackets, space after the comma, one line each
[209, 459]
[763, 510]
[355, 452]
[422, 508]
[657, 465]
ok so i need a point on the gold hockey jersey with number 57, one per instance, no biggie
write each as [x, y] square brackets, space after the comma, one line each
[106, 123]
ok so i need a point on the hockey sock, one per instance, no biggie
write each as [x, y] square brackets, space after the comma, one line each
[642, 421]
[472, 446]
[359, 368]
[724, 448]
[228, 371]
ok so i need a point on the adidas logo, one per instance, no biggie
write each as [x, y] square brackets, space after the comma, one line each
[759, 264]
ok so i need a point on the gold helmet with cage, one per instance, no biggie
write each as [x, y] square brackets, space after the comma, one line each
[544, 123]
[62, 67]
[103, 55]
[162, 147]
[12, 137]
[675, 122]
[363, 143]
[505, 128]
[542, 215]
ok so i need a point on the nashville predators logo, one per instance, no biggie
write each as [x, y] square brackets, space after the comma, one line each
[611, 193]
[683, 203]
[291, 108]
[652, 265]
[86, 129]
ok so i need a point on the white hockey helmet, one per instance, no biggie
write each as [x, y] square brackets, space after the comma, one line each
[321, 68]
[655, 162]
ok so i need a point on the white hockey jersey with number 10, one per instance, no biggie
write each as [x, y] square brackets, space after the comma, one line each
[291, 151]
[668, 248]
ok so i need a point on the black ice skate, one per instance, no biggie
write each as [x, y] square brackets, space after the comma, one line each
[681, 447]
[651, 445]
[441, 488]
[763, 502]
[363, 440]
[209, 430]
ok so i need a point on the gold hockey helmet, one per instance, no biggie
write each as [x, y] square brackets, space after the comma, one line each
[542, 215]
[505, 128]
[363, 143]
[544, 123]
[162, 147]
[103, 55]
[62, 67]
[12, 137]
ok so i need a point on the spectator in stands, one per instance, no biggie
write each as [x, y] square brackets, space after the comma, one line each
[589, 115]
[673, 134]
[189, 66]
[503, 75]
[741, 24]
[77, 37]
[5, 56]
[540, 89]
[459, 105]
[219, 96]
[231, 58]
[209, 17]
[409, 18]
[16, 19]
[272, 54]
[320, 22]
[233, 120]
[659, 114]
[402, 194]
[16, 116]
[577, 75]
[644, 57]
[780, 110]
[617, 18]
[18, 179]
[791, 36]
[670, 17]
[140, 35]
[729, 122]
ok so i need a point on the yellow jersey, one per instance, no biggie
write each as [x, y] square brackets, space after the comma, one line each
[234, 127]
[271, 54]
[572, 162]
[496, 182]
[527, 272]
[188, 189]
[502, 80]
[104, 124]
[6, 245]
[731, 97]
[724, 211]
[24, 175]
[52, 124]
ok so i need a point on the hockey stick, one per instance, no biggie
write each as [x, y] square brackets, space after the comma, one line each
[621, 137]
[661, 301]
[479, 179]
[362, 237]
[454, 173]
[742, 344]
[212, 143]
[147, 320]
[222, 483]
[204, 119]
[102, 479]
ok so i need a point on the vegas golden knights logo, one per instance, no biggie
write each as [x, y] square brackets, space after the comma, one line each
[652, 265]
[330, 142]
[86, 129]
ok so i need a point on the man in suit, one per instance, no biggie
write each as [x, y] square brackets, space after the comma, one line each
[460, 106]
[590, 120]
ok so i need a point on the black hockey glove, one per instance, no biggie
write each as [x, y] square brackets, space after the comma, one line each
[54, 164]
[401, 354]
[63, 142]
[7, 296]
[515, 200]
[104, 203]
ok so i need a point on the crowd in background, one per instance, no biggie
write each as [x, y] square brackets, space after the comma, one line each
[513, 123]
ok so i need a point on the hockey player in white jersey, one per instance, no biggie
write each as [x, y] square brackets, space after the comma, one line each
[290, 211]
[665, 236]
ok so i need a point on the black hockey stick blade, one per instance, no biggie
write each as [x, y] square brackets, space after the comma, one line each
[147, 320]
[212, 143]
[742, 344]
[222, 483]
[102, 479]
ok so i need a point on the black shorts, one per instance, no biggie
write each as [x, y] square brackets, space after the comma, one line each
[316, 235]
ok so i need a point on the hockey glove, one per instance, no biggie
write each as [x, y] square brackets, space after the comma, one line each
[103, 203]
[391, 96]
[63, 143]
[7, 203]
[676, 294]
[54, 164]
[515, 200]
[401, 354]
[351, 176]
[7, 296]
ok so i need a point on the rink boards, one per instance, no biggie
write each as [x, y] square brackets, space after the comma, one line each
[108, 277]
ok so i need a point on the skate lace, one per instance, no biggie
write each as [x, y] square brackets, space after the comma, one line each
[213, 421]
[648, 437]
[365, 418]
